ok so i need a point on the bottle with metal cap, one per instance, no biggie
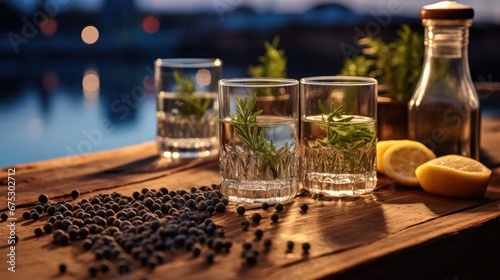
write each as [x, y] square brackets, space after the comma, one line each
[444, 110]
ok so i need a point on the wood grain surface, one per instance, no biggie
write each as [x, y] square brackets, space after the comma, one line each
[392, 233]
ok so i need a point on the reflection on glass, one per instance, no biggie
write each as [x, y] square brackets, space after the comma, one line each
[203, 77]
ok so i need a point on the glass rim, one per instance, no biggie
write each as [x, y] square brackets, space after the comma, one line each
[338, 80]
[188, 62]
[258, 82]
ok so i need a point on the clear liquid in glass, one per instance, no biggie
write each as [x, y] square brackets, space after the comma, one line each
[254, 177]
[187, 126]
[339, 165]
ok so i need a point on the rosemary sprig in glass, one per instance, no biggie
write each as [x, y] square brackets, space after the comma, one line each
[342, 135]
[247, 129]
[193, 104]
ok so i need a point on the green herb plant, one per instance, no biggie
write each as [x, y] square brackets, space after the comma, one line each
[193, 104]
[272, 63]
[342, 135]
[247, 129]
[396, 65]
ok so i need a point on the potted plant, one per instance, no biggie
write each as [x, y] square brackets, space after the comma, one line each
[397, 66]
[272, 64]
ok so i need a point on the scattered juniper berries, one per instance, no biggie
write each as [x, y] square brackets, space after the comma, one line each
[220, 207]
[245, 224]
[304, 207]
[26, 215]
[275, 217]
[196, 251]
[47, 227]
[240, 210]
[62, 268]
[256, 217]
[247, 245]
[265, 206]
[305, 247]
[43, 198]
[210, 255]
[4, 217]
[289, 245]
[93, 271]
[251, 257]
[75, 194]
[38, 231]
[278, 207]
[87, 244]
[267, 243]
[104, 267]
[35, 216]
[38, 209]
[259, 233]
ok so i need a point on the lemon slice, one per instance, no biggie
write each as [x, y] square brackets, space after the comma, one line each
[454, 176]
[382, 146]
[401, 159]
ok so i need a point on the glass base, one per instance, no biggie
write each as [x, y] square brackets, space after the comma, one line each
[259, 191]
[186, 147]
[340, 185]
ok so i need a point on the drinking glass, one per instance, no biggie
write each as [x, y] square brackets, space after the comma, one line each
[258, 124]
[338, 135]
[187, 107]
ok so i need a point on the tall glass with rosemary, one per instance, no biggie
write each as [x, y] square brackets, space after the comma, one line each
[187, 107]
[258, 124]
[338, 134]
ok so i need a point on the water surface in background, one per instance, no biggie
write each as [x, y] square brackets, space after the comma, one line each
[57, 108]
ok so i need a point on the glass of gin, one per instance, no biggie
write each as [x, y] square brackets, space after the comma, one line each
[258, 124]
[187, 107]
[338, 135]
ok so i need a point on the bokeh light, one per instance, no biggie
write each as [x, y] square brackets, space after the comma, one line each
[150, 24]
[90, 35]
[48, 27]
[91, 84]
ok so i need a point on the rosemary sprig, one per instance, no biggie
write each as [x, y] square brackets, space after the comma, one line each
[193, 104]
[341, 134]
[246, 128]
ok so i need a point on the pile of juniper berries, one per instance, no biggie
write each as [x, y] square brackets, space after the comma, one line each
[148, 225]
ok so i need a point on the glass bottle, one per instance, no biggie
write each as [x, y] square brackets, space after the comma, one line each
[444, 110]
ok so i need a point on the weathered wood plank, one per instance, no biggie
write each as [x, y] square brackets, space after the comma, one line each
[343, 233]
[92, 172]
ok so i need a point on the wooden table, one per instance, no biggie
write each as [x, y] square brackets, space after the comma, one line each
[395, 232]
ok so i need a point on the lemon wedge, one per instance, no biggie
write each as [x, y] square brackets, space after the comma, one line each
[401, 159]
[454, 176]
